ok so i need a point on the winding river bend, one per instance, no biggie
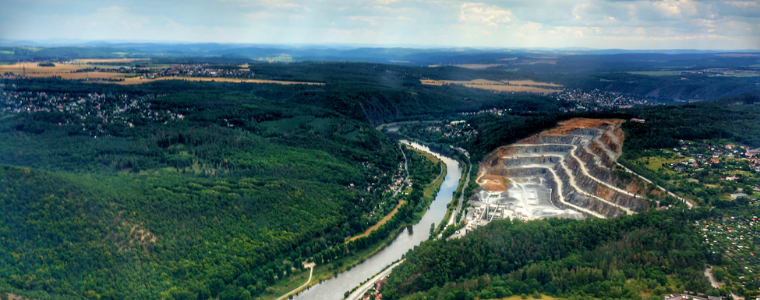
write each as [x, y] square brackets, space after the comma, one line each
[333, 288]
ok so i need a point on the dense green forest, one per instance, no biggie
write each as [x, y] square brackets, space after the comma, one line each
[647, 254]
[190, 190]
[221, 202]
[365, 92]
[633, 257]
[604, 70]
[732, 117]
[735, 118]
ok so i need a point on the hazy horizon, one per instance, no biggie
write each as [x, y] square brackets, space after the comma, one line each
[596, 24]
[75, 42]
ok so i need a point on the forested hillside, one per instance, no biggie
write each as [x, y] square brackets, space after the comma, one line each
[191, 190]
[194, 191]
[647, 254]
[735, 118]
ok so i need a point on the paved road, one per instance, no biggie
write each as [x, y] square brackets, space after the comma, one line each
[453, 217]
[713, 282]
[357, 294]
[406, 168]
[311, 270]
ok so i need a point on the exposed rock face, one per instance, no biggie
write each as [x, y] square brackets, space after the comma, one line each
[569, 161]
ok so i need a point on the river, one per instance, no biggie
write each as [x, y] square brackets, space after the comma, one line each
[334, 288]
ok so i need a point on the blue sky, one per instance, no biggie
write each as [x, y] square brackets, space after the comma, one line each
[661, 24]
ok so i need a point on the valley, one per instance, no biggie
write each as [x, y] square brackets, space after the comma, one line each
[201, 181]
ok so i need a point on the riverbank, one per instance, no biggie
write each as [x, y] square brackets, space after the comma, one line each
[399, 242]
[335, 267]
[454, 203]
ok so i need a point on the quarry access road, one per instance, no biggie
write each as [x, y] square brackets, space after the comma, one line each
[571, 177]
[525, 202]
[582, 166]
[559, 190]
[658, 186]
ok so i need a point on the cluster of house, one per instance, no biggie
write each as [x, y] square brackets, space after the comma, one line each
[455, 129]
[11, 75]
[105, 108]
[715, 153]
[736, 237]
[462, 150]
[688, 295]
[397, 180]
[720, 72]
[492, 111]
[194, 70]
[596, 99]
[204, 70]
[374, 293]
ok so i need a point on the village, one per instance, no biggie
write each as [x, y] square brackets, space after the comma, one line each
[453, 132]
[598, 100]
[90, 108]
[181, 70]
[389, 185]
[732, 242]
[721, 72]
[708, 169]
[122, 70]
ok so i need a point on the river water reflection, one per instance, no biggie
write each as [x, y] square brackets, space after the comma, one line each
[408, 238]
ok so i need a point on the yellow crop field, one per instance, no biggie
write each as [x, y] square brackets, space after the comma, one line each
[109, 60]
[33, 68]
[505, 86]
[79, 75]
[531, 82]
[65, 71]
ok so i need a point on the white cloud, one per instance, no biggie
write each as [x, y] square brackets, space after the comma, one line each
[528, 23]
[371, 20]
[489, 16]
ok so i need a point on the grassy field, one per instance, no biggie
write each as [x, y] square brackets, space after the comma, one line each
[657, 73]
[741, 75]
[655, 162]
[431, 188]
[477, 66]
[109, 60]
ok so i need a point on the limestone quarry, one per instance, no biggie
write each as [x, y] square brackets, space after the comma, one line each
[561, 172]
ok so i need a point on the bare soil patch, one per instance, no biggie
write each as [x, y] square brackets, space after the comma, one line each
[494, 183]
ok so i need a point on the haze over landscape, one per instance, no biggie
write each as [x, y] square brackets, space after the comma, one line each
[661, 24]
[380, 150]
